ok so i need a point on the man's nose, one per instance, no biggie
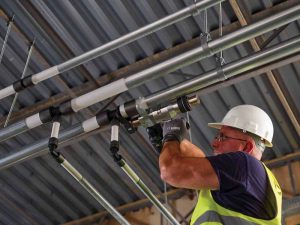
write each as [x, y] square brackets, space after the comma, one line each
[215, 143]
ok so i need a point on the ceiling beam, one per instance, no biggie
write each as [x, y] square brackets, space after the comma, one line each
[282, 160]
[173, 194]
[256, 44]
[292, 220]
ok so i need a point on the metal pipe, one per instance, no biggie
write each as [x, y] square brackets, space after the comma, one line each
[117, 43]
[244, 34]
[40, 147]
[142, 186]
[286, 48]
[13, 130]
[59, 158]
[89, 187]
[186, 58]
[163, 114]
[20, 127]
[201, 81]
[114, 150]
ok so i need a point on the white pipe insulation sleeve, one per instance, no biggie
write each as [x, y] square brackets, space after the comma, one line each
[44, 75]
[114, 133]
[33, 121]
[55, 129]
[7, 91]
[90, 124]
[99, 95]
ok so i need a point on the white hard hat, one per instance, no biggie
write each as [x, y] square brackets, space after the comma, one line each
[251, 119]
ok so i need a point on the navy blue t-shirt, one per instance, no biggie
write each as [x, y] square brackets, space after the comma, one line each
[243, 184]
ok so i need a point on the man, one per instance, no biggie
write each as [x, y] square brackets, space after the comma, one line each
[235, 187]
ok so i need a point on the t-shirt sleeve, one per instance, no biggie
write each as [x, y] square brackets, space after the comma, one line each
[243, 184]
[231, 169]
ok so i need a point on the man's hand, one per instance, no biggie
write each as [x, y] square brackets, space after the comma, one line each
[155, 134]
[175, 130]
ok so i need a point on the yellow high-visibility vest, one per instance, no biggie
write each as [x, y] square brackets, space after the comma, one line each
[208, 212]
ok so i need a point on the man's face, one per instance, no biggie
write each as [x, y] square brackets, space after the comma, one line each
[229, 140]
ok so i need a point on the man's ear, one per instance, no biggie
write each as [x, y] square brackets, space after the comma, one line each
[248, 147]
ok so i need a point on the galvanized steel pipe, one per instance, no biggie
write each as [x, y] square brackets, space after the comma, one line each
[117, 43]
[187, 58]
[173, 64]
[148, 193]
[211, 77]
[91, 189]
[258, 59]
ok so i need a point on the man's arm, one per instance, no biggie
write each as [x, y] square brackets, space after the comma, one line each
[181, 168]
[188, 149]
[182, 164]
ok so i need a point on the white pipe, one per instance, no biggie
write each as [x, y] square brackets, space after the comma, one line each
[55, 129]
[90, 124]
[33, 121]
[9, 90]
[99, 95]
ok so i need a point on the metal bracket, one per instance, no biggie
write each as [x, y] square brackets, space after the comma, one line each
[220, 61]
[204, 39]
[143, 111]
[197, 11]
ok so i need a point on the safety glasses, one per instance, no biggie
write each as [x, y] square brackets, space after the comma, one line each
[221, 137]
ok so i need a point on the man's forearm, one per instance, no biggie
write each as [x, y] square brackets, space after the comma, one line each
[170, 149]
[169, 152]
[188, 149]
[183, 149]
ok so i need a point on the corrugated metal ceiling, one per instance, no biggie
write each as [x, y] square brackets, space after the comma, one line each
[39, 191]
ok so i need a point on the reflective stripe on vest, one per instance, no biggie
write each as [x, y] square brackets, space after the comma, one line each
[213, 216]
